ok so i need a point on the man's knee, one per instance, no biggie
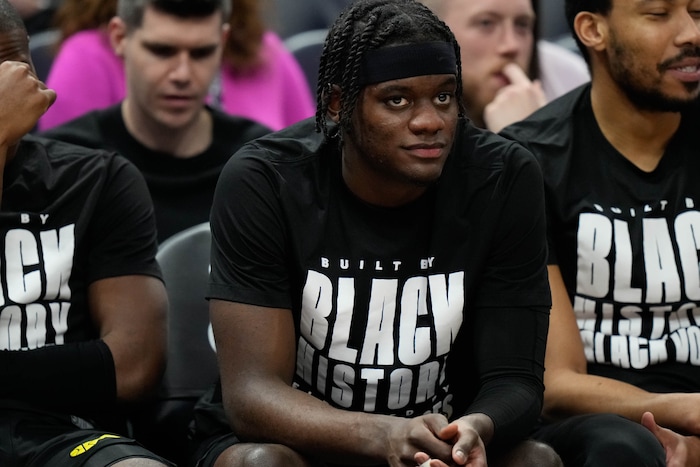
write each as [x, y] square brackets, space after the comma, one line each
[529, 453]
[603, 440]
[630, 445]
[253, 455]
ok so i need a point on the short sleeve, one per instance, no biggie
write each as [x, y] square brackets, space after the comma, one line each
[249, 235]
[123, 231]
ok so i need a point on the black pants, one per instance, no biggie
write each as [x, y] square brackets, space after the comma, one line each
[602, 440]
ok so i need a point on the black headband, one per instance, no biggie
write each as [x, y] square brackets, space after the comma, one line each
[406, 61]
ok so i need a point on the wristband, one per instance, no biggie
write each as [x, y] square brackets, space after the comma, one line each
[73, 378]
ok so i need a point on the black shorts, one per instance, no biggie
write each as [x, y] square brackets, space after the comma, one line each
[36, 438]
[210, 450]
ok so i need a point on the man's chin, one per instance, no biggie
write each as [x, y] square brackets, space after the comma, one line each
[176, 121]
[669, 104]
[424, 179]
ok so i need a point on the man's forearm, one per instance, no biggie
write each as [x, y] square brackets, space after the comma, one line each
[513, 404]
[306, 424]
[569, 393]
[312, 427]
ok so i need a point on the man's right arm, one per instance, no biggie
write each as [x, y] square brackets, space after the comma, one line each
[515, 101]
[256, 348]
[23, 99]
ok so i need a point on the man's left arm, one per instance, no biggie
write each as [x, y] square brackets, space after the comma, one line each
[130, 312]
[124, 363]
[126, 297]
[512, 306]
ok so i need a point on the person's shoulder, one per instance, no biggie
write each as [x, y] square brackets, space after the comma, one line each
[88, 41]
[548, 124]
[58, 148]
[297, 143]
[274, 54]
[85, 130]
[483, 160]
[236, 126]
[64, 154]
[480, 142]
[480, 151]
[294, 153]
[272, 41]
[103, 169]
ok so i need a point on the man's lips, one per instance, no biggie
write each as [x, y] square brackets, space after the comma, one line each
[501, 79]
[686, 73]
[427, 151]
[686, 69]
[177, 99]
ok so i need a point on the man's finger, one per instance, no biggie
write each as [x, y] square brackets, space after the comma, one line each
[515, 74]
[649, 422]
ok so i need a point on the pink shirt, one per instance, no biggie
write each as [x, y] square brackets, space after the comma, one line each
[87, 74]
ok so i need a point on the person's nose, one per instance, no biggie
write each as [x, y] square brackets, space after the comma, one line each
[688, 31]
[427, 118]
[511, 43]
[181, 71]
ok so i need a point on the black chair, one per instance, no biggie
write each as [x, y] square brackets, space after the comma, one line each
[307, 47]
[162, 424]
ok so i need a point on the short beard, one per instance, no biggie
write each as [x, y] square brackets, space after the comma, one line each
[651, 98]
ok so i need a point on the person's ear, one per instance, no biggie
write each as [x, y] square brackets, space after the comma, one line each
[592, 30]
[117, 35]
[334, 102]
[225, 32]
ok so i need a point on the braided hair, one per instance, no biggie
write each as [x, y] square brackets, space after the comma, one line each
[367, 25]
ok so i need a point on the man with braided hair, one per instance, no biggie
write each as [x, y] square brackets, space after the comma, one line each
[364, 267]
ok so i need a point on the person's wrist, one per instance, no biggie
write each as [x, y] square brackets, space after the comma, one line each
[482, 424]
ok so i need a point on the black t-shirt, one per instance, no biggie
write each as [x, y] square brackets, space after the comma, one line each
[387, 300]
[182, 189]
[627, 243]
[70, 216]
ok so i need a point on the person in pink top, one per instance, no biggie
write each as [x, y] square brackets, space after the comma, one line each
[259, 78]
[275, 93]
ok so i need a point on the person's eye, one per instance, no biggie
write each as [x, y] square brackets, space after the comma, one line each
[444, 98]
[486, 24]
[658, 13]
[198, 54]
[396, 101]
[162, 51]
[524, 27]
